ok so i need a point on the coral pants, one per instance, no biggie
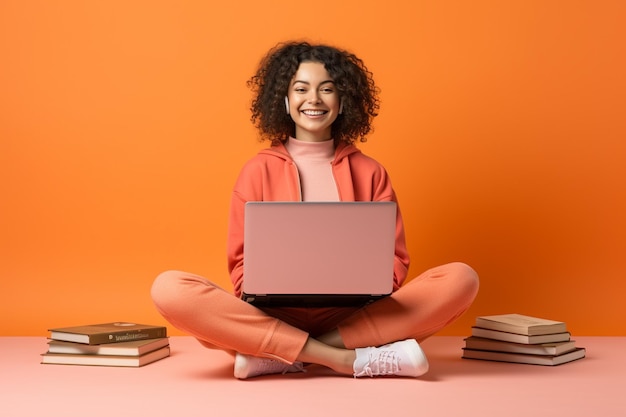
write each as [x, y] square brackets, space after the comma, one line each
[220, 320]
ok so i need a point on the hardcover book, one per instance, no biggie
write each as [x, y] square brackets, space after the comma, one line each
[479, 343]
[547, 360]
[520, 324]
[134, 348]
[520, 338]
[105, 360]
[97, 334]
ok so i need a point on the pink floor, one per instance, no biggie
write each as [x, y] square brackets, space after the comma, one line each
[198, 382]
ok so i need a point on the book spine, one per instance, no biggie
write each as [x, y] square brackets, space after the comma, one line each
[127, 336]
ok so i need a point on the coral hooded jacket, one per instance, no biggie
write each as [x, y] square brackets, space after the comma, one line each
[272, 175]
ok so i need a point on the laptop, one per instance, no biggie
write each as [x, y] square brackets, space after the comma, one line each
[318, 254]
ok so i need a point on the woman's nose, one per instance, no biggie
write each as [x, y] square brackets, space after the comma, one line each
[313, 97]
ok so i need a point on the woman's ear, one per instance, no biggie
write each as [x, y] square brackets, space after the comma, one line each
[341, 106]
[287, 104]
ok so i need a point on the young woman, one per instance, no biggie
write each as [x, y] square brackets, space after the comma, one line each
[313, 102]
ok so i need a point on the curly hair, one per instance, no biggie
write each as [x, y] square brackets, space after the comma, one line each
[354, 83]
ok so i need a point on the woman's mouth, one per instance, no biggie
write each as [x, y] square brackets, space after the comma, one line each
[314, 112]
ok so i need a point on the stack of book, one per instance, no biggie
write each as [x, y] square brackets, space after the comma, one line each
[108, 344]
[521, 339]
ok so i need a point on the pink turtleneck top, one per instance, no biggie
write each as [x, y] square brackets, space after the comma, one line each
[313, 160]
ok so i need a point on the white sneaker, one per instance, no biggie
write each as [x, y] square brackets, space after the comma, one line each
[250, 366]
[404, 358]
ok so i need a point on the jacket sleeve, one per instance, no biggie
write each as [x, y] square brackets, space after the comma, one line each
[402, 260]
[383, 191]
[235, 242]
[248, 187]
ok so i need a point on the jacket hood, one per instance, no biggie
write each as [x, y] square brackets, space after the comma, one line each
[342, 151]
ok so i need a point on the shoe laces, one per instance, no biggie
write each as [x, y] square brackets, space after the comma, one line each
[381, 362]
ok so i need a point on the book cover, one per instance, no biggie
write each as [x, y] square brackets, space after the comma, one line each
[479, 343]
[134, 348]
[105, 360]
[546, 360]
[96, 334]
[520, 338]
[520, 324]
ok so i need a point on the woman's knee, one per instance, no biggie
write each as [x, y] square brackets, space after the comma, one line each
[164, 289]
[177, 292]
[456, 279]
[465, 279]
[464, 274]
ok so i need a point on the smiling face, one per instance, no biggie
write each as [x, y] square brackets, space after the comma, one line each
[313, 102]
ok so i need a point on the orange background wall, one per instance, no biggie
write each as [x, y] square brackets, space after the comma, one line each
[123, 126]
